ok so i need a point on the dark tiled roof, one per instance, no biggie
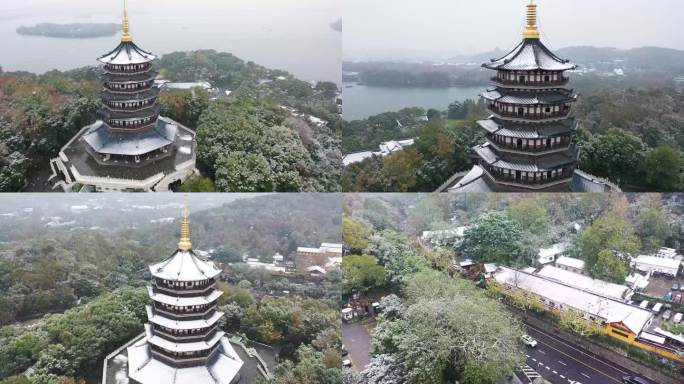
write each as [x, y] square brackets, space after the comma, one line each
[531, 98]
[528, 131]
[104, 141]
[526, 163]
[126, 53]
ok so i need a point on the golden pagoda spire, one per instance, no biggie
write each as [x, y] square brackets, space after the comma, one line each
[184, 244]
[531, 32]
[126, 35]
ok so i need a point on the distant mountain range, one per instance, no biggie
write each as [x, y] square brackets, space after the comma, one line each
[644, 58]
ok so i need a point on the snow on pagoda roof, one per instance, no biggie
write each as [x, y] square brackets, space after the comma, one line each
[530, 55]
[145, 369]
[527, 98]
[528, 131]
[184, 266]
[475, 181]
[181, 347]
[184, 301]
[126, 53]
[103, 140]
[524, 164]
[181, 324]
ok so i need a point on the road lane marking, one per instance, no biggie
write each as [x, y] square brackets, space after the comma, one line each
[561, 362]
[538, 330]
[542, 352]
[555, 372]
[561, 376]
[585, 375]
[533, 359]
[582, 362]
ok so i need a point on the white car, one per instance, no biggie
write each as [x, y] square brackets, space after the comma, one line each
[346, 363]
[677, 318]
[529, 341]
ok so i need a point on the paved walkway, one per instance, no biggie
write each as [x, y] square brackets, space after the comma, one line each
[357, 341]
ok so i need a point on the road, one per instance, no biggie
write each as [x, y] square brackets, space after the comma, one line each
[357, 341]
[561, 362]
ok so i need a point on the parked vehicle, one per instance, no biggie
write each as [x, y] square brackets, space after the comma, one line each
[634, 380]
[347, 363]
[668, 296]
[677, 298]
[643, 304]
[667, 314]
[677, 318]
[657, 307]
[675, 286]
[529, 341]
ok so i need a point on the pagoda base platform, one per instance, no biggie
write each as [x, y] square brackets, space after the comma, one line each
[480, 181]
[133, 364]
[79, 165]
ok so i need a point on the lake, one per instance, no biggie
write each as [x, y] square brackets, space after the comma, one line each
[292, 35]
[361, 101]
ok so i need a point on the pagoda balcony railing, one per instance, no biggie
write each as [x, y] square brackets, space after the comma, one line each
[137, 127]
[126, 73]
[517, 178]
[202, 334]
[184, 315]
[195, 359]
[531, 84]
[187, 338]
[182, 289]
[124, 109]
[134, 71]
[184, 292]
[527, 116]
[530, 149]
[138, 89]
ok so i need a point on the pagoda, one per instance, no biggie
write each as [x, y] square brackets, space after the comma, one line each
[530, 135]
[183, 343]
[132, 147]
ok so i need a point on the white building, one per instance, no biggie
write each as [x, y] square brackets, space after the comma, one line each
[598, 287]
[650, 264]
[557, 295]
[549, 255]
[570, 264]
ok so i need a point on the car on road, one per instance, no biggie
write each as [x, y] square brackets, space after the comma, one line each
[634, 380]
[347, 363]
[675, 286]
[667, 314]
[529, 341]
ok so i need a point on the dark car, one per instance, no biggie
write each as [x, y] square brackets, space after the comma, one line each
[634, 380]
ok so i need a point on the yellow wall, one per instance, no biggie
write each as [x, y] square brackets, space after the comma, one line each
[631, 339]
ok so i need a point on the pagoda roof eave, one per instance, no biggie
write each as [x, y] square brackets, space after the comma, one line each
[126, 53]
[181, 324]
[184, 266]
[524, 163]
[530, 98]
[530, 55]
[181, 347]
[184, 301]
[528, 131]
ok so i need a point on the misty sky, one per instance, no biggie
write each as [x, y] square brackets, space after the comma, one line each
[293, 35]
[436, 29]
